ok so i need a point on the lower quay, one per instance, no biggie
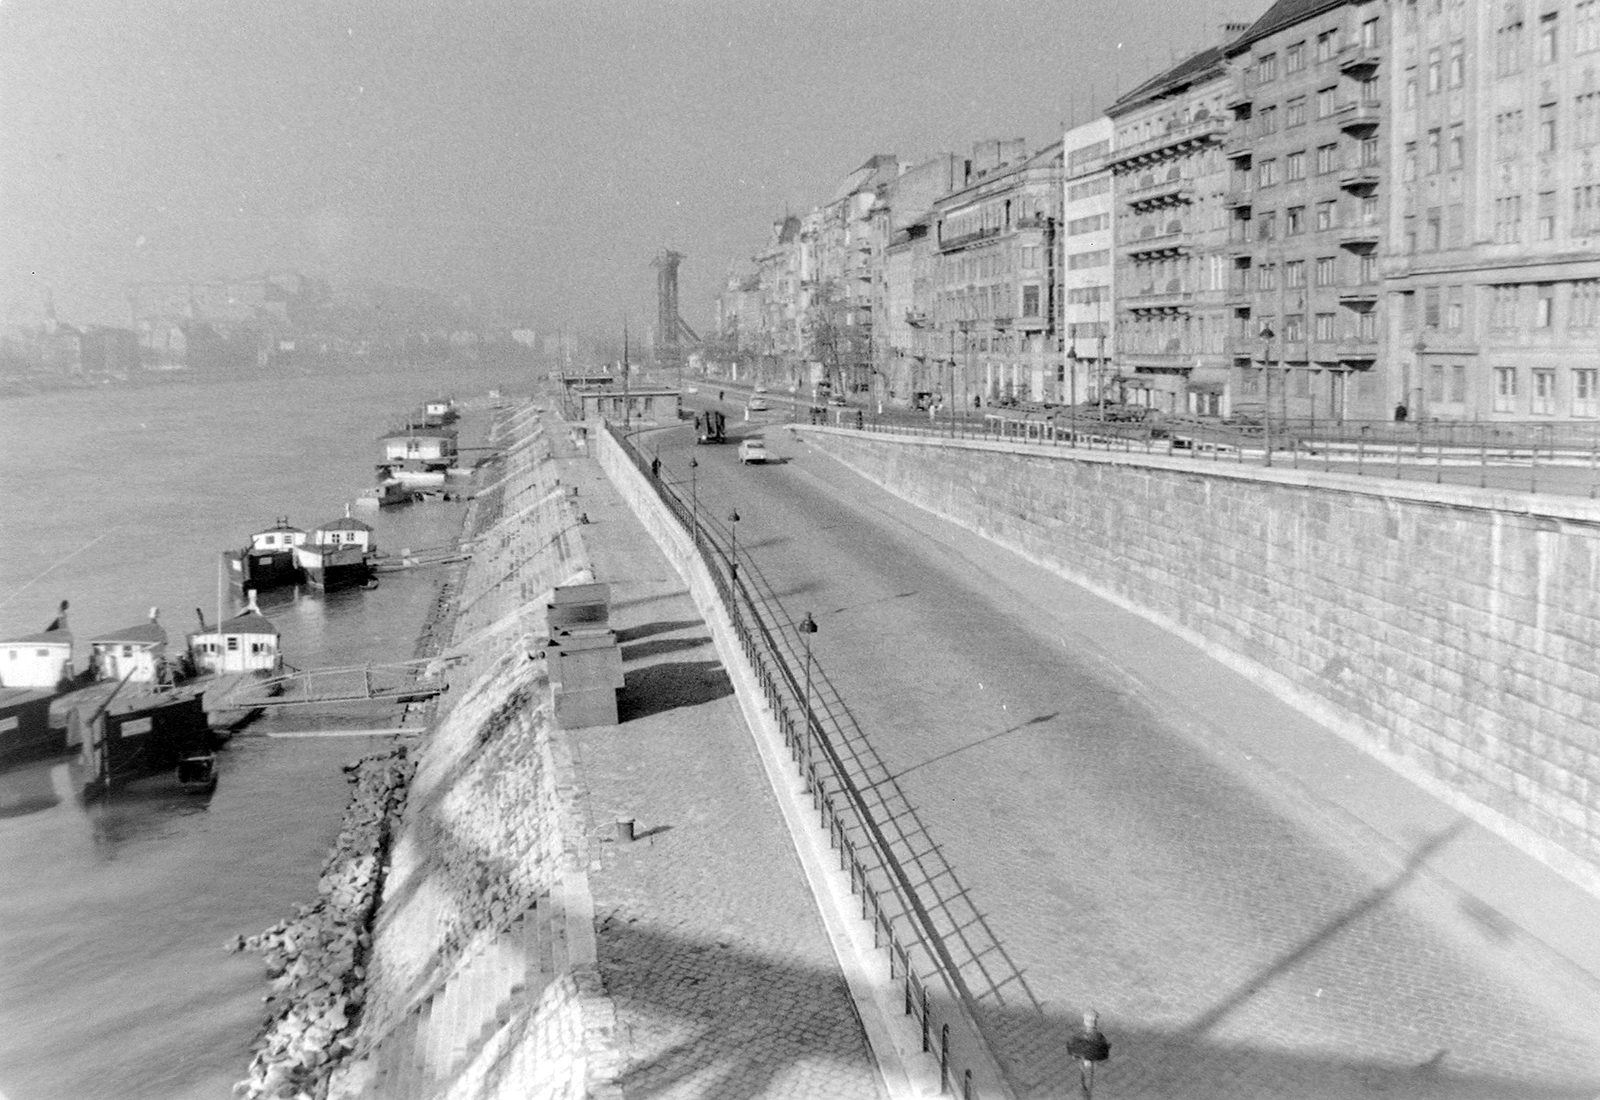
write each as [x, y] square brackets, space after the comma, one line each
[488, 927]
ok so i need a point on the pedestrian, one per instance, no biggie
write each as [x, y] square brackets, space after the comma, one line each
[1400, 413]
[655, 467]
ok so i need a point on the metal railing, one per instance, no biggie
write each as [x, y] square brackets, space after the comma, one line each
[861, 808]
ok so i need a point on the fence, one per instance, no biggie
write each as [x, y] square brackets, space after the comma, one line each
[902, 925]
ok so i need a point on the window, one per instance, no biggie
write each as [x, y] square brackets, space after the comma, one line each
[1325, 215]
[1323, 331]
[1586, 119]
[1455, 225]
[1508, 220]
[1327, 270]
[1294, 221]
[1325, 102]
[1508, 49]
[1547, 128]
[1547, 38]
[1295, 166]
[1408, 311]
[1505, 389]
[1410, 234]
[1544, 392]
[1294, 274]
[1507, 134]
[1267, 68]
[1294, 112]
[1367, 269]
[233, 643]
[1504, 313]
[1370, 90]
[1267, 277]
[1430, 307]
[1433, 233]
[1457, 149]
[1267, 121]
[1267, 226]
[1587, 15]
[1585, 400]
[1452, 309]
[1585, 312]
[1458, 384]
[1409, 172]
[1367, 325]
[1586, 210]
[1267, 172]
[1435, 71]
[1294, 58]
[1327, 159]
[1326, 42]
[1030, 300]
[1433, 150]
[1458, 65]
[1294, 328]
[1369, 33]
[1436, 383]
[1547, 216]
[1544, 307]
[1411, 88]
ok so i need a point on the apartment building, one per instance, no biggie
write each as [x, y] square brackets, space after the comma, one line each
[995, 238]
[901, 342]
[1306, 204]
[1494, 275]
[1172, 269]
[1088, 211]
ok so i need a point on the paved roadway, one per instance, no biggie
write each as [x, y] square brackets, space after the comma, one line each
[1236, 940]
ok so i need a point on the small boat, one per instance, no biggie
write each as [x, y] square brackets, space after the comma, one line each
[269, 561]
[197, 773]
[386, 493]
[338, 554]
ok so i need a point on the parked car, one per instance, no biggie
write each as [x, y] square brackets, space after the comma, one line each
[753, 450]
[837, 399]
[758, 405]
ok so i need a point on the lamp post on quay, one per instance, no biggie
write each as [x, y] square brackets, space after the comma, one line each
[1072, 391]
[1266, 387]
[808, 627]
[1088, 1046]
[694, 501]
[733, 565]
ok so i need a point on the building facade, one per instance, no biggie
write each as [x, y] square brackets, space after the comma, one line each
[996, 242]
[1493, 280]
[1173, 317]
[1088, 315]
[1308, 187]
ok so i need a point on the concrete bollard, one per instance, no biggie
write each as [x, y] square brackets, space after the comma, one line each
[625, 830]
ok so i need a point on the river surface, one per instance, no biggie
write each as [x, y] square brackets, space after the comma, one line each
[114, 981]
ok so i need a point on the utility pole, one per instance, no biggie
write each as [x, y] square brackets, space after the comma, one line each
[627, 401]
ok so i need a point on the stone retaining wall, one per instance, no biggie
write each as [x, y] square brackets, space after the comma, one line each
[1449, 631]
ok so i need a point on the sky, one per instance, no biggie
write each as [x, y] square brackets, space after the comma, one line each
[535, 156]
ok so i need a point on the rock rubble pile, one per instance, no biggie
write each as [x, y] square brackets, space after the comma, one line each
[316, 960]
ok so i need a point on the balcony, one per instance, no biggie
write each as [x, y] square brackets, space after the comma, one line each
[1359, 61]
[1360, 238]
[1243, 346]
[1237, 145]
[1359, 297]
[1237, 198]
[1165, 193]
[1168, 297]
[1360, 181]
[1357, 349]
[917, 318]
[1359, 119]
[1179, 139]
[1035, 221]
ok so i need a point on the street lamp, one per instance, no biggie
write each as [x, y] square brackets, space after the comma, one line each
[1266, 387]
[1088, 1046]
[808, 627]
[733, 567]
[694, 501]
[1072, 390]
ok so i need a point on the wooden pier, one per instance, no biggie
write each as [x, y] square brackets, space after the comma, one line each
[404, 682]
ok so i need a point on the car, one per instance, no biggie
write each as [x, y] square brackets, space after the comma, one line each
[758, 405]
[837, 399]
[753, 450]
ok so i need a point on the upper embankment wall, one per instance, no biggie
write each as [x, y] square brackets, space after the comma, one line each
[1450, 631]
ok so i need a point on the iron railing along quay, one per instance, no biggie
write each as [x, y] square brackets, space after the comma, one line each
[910, 896]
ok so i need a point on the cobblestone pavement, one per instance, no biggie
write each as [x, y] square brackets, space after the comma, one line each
[1237, 939]
[709, 941]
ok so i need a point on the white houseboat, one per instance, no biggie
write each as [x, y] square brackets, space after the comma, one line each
[338, 554]
[42, 660]
[138, 653]
[417, 455]
[248, 642]
[439, 411]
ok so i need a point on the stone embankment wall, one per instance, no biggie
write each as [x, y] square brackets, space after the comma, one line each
[480, 978]
[1449, 631]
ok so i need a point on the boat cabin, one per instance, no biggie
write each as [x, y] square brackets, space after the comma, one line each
[440, 410]
[138, 653]
[41, 660]
[435, 446]
[277, 538]
[248, 642]
[344, 531]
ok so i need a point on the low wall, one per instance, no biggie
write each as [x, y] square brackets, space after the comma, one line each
[1448, 631]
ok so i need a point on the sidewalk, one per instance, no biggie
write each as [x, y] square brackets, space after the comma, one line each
[709, 941]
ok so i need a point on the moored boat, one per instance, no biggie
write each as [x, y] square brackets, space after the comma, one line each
[388, 492]
[269, 561]
[338, 554]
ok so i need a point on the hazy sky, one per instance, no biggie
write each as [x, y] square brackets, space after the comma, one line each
[536, 155]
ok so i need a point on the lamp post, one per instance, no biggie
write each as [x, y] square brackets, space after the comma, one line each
[808, 627]
[1266, 387]
[694, 501]
[1088, 1046]
[733, 564]
[1072, 391]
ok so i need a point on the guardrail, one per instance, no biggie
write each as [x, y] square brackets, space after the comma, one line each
[845, 781]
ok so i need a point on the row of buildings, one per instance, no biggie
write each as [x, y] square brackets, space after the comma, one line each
[1348, 209]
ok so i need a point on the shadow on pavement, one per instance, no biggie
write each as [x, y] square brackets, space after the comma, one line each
[645, 630]
[661, 645]
[669, 685]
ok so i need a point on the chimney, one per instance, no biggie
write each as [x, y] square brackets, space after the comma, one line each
[155, 612]
[1230, 31]
[251, 605]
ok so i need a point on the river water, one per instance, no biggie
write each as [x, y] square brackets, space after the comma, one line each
[114, 915]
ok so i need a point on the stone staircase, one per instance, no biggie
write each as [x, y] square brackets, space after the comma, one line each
[437, 1039]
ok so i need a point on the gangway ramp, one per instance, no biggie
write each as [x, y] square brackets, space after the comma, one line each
[406, 682]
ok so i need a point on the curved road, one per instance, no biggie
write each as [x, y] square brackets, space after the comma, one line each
[1234, 939]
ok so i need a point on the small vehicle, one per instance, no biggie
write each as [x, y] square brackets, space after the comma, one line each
[753, 450]
[758, 405]
[712, 425]
[837, 399]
